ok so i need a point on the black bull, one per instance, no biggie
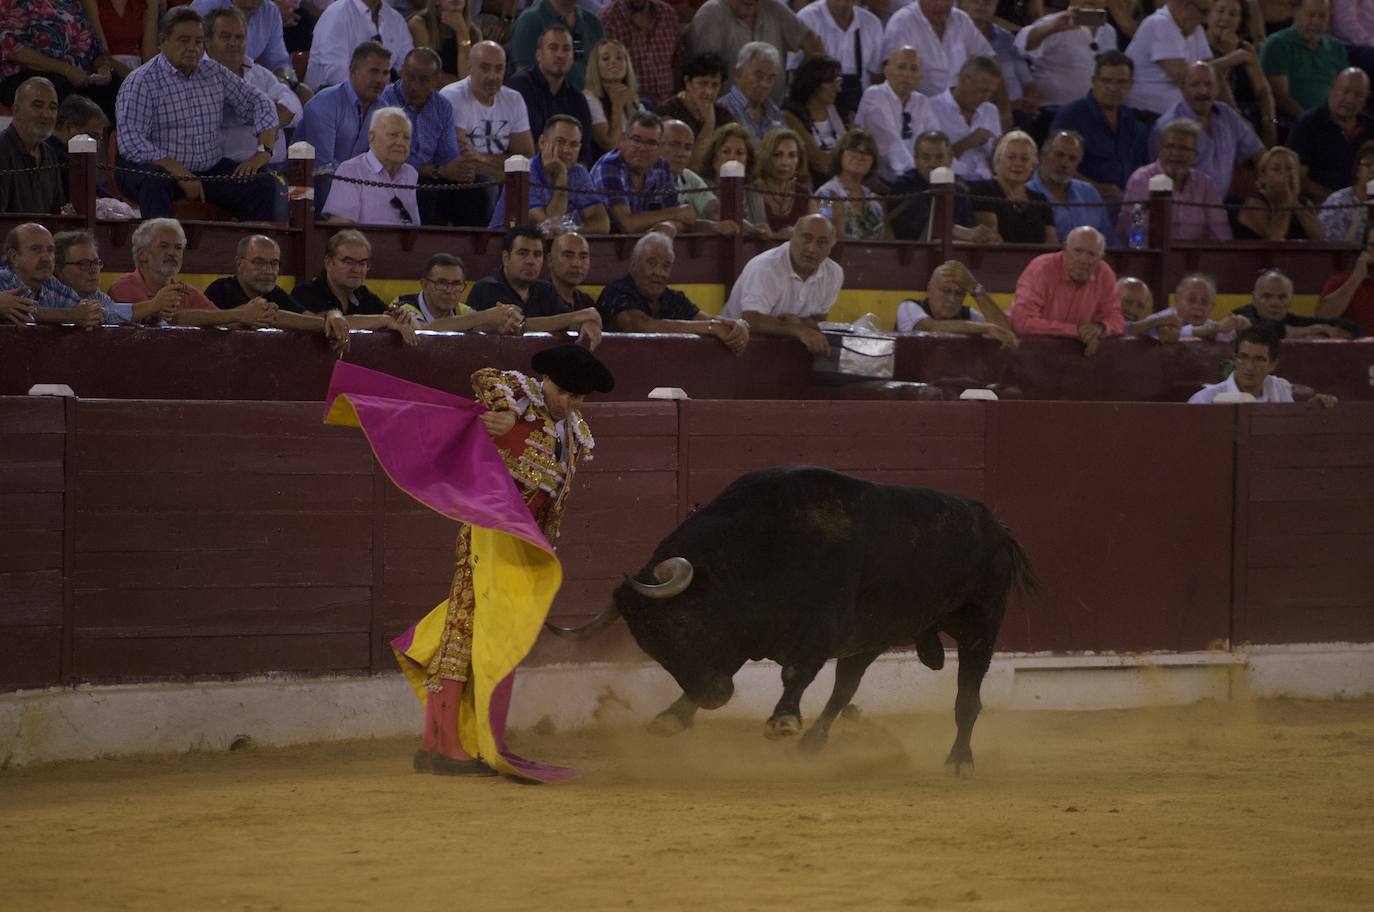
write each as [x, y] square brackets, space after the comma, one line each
[801, 565]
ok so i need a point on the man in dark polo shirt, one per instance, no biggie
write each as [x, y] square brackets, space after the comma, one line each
[642, 302]
[1327, 137]
[23, 145]
[517, 282]
[547, 90]
[339, 288]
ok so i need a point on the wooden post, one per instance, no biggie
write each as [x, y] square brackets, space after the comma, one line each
[1161, 208]
[82, 175]
[300, 177]
[942, 211]
[518, 190]
[732, 209]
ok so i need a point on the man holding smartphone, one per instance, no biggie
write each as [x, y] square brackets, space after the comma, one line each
[1061, 49]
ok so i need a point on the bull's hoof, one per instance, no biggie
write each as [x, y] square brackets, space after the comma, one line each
[667, 724]
[851, 713]
[812, 742]
[780, 727]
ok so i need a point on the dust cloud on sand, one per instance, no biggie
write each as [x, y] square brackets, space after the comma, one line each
[1245, 806]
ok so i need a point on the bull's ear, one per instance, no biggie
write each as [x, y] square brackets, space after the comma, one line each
[674, 575]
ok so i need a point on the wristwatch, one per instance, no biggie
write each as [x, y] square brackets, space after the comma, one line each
[262, 148]
[979, 290]
[292, 82]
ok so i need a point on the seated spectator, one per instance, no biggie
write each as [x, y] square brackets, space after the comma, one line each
[810, 112]
[1061, 53]
[76, 264]
[895, 113]
[642, 302]
[1194, 299]
[943, 309]
[678, 143]
[1257, 357]
[966, 114]
[944, 37]
[649, 30]
[28, 272]
[783, 191]
[1225, 140]
[1137, 309]
[354, 203]
[697, 105]
[1344, 215]
[225, 38]
[750, 100]
[129, 35]
[1352, 23]
[856, 210]
[727, 27]
[1078, 202]
[437, 305]
[153, 287]
[1198, 213]
[1243, 84]
[1327, 137]
[55, 40]
[434, 151]
[561, 189]
[1271, 307]
[1069, 293]
[851, 35]
[336, 120]
[570, 259]
[1005, 203]
[732, 143]
[339, 286]
[77, 114]
[1114, 136]
[789, 290]
[491, 119]
[344, 26]
[612, 93]
[910, 211]
[23, 144]
[264, 45]
[1167, 41]
[171, 114]
[640, 184]
[547, 91]
[1277, 210]
[1350, 294]
[884, 9]
[531, 24]
[516, 282]
[443, 27]
[1302, 60]
[1016, 93]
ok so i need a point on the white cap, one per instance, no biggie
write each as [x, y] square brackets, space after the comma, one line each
[81, 143]
[300, 150]
[986, 395]
[1232, 398]
[517, 163]
[668, 392]
[941, 176]
[732, 169]
[1161, 183]
[52, 389]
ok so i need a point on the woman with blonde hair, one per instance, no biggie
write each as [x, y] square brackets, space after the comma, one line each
[1277, 210]
[781, 182]
[1004, 203]
[855, 209]
[443, 27]
[612, 93]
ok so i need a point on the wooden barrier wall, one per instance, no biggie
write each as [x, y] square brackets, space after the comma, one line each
[156, 539]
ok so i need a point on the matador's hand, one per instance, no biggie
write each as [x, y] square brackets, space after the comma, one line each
[498, 423]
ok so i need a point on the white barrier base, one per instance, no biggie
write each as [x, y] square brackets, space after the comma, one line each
[88, 722]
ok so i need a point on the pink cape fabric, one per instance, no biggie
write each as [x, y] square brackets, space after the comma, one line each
[432, 446]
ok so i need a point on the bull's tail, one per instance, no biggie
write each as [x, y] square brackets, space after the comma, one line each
[1022, 573]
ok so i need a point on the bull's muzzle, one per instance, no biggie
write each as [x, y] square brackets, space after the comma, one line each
[674, 576]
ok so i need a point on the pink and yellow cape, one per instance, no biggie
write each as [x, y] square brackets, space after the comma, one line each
[432, 446]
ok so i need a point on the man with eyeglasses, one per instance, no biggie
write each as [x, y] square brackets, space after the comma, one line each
[1226, 139]
[1167, 41]
[339, 286]
[29, 292]
[517, 283]
[641, 191]
[438, 304]
[77, 263]
[1197, 211]
[352, 198]
[561, 189]
[895, 113]
[1115, 138]
[1257, 357]
[1061, 48]
[1350, 294]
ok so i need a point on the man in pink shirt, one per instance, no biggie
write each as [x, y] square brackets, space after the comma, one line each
[1070, 293]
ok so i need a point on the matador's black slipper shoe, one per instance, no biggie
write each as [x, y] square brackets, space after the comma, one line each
[424, 761]
[446, 766]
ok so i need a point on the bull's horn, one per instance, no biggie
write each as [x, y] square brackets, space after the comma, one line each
[674, 575]
[587, 630]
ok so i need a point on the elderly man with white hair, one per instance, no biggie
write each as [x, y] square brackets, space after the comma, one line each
[384, 162]
[642, 302]
[1069, 293]
[758, 68]
[726, 27]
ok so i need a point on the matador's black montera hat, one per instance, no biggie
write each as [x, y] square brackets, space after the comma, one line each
[574, 369]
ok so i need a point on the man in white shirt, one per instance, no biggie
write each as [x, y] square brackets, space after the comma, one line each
[854, 37]
[1167, 41]
[789, 290]
[1257, 356]
[1061, 53]
[491, 118]
[895, 113]
[226, 34]
[347, 24]
[968, 117]
[944, 37]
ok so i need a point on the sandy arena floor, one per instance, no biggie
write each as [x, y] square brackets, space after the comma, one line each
[1248, 806]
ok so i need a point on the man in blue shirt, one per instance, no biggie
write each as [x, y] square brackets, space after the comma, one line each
[28, 270]
[1079, 202]
[554, 167]
[1115, 139]
[641, 187]
[336, 120]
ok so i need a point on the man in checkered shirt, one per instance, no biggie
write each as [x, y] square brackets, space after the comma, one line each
[169, 113]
